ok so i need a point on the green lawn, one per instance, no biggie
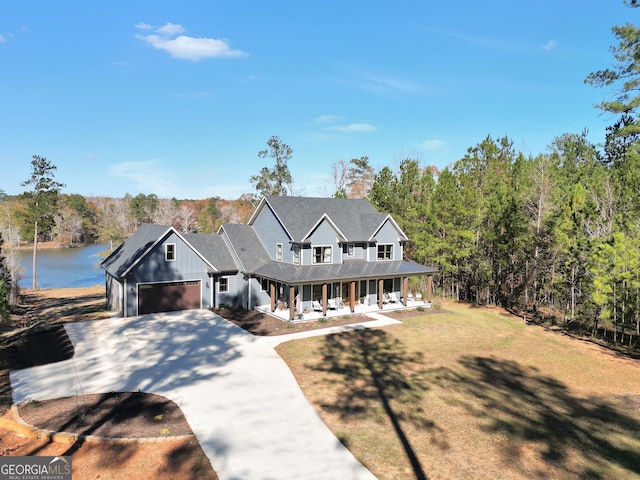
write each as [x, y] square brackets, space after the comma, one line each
[474, 393]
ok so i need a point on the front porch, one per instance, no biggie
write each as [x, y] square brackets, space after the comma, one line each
[337, 297]
[283, 313]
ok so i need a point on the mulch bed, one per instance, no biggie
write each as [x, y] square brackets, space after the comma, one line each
[111, 415]
[262, 324]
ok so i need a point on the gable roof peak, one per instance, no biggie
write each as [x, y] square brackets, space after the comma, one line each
[354, 219]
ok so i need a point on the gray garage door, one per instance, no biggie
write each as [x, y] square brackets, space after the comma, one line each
[168, 297]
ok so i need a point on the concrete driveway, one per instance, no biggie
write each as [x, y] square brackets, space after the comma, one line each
[237, 394]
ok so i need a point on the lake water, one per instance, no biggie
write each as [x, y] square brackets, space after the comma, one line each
[63, 267]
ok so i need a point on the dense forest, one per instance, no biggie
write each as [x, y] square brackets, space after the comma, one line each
[553, 235]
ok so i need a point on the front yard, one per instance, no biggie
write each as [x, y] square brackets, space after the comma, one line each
[474, 393]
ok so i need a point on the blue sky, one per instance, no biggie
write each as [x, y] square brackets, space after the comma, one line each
[177, 98]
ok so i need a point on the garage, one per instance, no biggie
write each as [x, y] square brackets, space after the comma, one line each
[168, 297]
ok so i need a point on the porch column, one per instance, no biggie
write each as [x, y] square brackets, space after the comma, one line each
[429, 287]
[352, 296]
[380, 293]
[272, 294]
[405, 290]
[324, 299]
[292, 293]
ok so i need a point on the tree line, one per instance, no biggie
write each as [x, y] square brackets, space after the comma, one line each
[553, 235]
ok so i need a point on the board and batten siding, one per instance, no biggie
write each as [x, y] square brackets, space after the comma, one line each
[270, 232]
[387, 235]
[325, 235]
[114, 293]
[154, 268]
[236, 294]
[359, 251]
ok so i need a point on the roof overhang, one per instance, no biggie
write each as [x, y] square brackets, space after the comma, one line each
[403, 236]
[259, 208]
[324, 217]
[355, 270]
[210, 269]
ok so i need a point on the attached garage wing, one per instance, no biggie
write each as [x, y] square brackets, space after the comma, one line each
[168, 297]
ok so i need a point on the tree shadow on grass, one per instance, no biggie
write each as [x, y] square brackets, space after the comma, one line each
[371, 369]
[527, 407]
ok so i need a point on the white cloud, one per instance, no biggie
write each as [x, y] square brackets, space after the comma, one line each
[185, 47]
[351, 128]
[143, 26]
[2, 39]
[432, 144]
[550, 45]
[170, 29]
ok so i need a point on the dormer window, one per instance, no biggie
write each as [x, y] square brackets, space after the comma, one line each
[385, 251]
[351, 249]
[322, 254]
[278, 252]
[296, 254]
[170, 252]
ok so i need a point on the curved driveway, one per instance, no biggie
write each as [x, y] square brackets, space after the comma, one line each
[237, 394]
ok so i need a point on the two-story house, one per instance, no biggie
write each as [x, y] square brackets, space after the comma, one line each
[295, 253]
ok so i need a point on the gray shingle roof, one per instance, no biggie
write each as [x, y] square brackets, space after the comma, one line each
[210, 246]
[213, 248]
[357, 219]
[135, 246]
[247, 246]
[294, 274]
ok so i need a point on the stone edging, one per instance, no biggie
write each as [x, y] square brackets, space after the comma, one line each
[23, 428]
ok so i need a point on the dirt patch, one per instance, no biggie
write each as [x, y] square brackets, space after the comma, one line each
[170, 458]
[262, 324]
[112, 415]
[38, 309]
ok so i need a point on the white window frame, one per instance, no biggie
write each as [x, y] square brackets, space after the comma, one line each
[387, 252]
[166, 252]
[323, 254]
[351, 249]
[296, 254]
[226, 290]
[279, 253]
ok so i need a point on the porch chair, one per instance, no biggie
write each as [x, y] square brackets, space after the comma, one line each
[316, 306]
[393, 298]
[331, 304]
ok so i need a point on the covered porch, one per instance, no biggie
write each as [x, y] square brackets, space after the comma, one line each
[285, 313]
[316, 291]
